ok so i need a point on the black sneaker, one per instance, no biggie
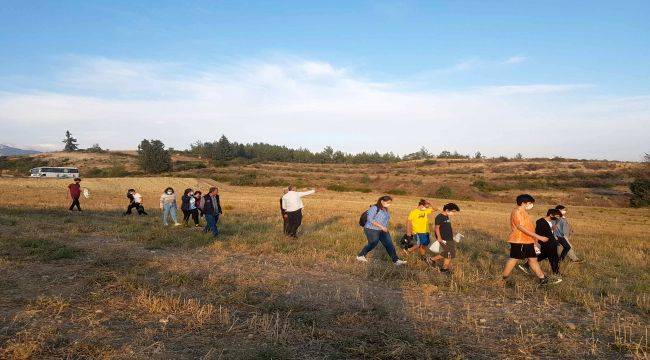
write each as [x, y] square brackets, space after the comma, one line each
[543, 281]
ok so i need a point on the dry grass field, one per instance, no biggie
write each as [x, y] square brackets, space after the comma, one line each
[99, 285]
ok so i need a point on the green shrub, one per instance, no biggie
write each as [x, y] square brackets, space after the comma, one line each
[93, 172]
[484, 186]
[397, 192]
[640, 189]
[188, 165]
[117, 170]
[244, 180]
[444, 192]
[21, 165]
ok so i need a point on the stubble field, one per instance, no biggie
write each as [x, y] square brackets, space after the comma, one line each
[99, 285]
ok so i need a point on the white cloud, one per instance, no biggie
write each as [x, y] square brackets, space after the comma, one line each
[515, 59]
[299, 102]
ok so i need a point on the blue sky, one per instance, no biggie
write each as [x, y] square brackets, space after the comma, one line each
[544, 78]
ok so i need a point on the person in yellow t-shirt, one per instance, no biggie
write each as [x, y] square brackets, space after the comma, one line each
[417, 225]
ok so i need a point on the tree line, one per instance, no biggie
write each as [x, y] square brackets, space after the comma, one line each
[154, 158]
[223, 151]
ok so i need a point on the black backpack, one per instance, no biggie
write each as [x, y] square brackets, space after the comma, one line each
[407, 242]
[363, 219]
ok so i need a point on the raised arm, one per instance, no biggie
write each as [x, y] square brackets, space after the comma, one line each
[305, 193]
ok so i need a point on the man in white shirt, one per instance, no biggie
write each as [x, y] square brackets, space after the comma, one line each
[292, 205]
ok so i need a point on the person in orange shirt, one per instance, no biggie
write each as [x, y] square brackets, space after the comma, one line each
[523, 239]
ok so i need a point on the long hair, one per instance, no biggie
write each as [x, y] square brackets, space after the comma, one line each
[383, 198]
[187, 191]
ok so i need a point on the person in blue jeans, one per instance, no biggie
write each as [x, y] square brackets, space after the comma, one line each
[211, 210]
[168, 206]
[376, 231]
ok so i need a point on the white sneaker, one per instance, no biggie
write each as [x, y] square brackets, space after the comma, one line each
[177, 224]
[362, 259]
[399, 262]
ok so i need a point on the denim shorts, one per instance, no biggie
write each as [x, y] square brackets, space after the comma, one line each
[423, 239]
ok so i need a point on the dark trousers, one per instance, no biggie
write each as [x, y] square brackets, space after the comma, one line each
[285, 224]
[565, 247]
[75, 202]
[194, 213]
[294, 219]
[549, 251]
[211, 224]
[375, 237]
[136, 206]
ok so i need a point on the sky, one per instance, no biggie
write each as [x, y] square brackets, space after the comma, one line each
[540, 78]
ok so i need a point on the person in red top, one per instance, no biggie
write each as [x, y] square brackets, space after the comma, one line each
[74, 192]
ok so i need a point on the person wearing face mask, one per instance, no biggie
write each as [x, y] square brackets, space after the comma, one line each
[562, 230]
[417, 225]
[292, 204]
[168, 206]
[445, 236]
[188, 206]
[376, 230]
[548, 249]
[522, 239]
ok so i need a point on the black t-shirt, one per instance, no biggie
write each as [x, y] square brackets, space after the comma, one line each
[445, 227]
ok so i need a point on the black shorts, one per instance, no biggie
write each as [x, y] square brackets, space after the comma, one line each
[522, 251]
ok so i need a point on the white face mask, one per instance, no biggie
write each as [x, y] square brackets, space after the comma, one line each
[169, 192]
[529, 206]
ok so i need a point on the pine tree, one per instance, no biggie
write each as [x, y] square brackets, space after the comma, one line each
[153, 158]
[223, 150]
[70, 142]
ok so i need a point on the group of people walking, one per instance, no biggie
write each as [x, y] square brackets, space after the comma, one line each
[547, 239]
[418, 235]
[194, 205]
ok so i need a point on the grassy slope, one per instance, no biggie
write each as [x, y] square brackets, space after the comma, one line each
[592, 183]
[99, 285]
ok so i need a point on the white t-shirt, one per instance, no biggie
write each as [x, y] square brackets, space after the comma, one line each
[137, 198]
[291, 201]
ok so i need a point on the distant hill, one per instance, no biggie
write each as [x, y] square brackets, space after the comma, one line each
[6, 150]
[551, 181]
